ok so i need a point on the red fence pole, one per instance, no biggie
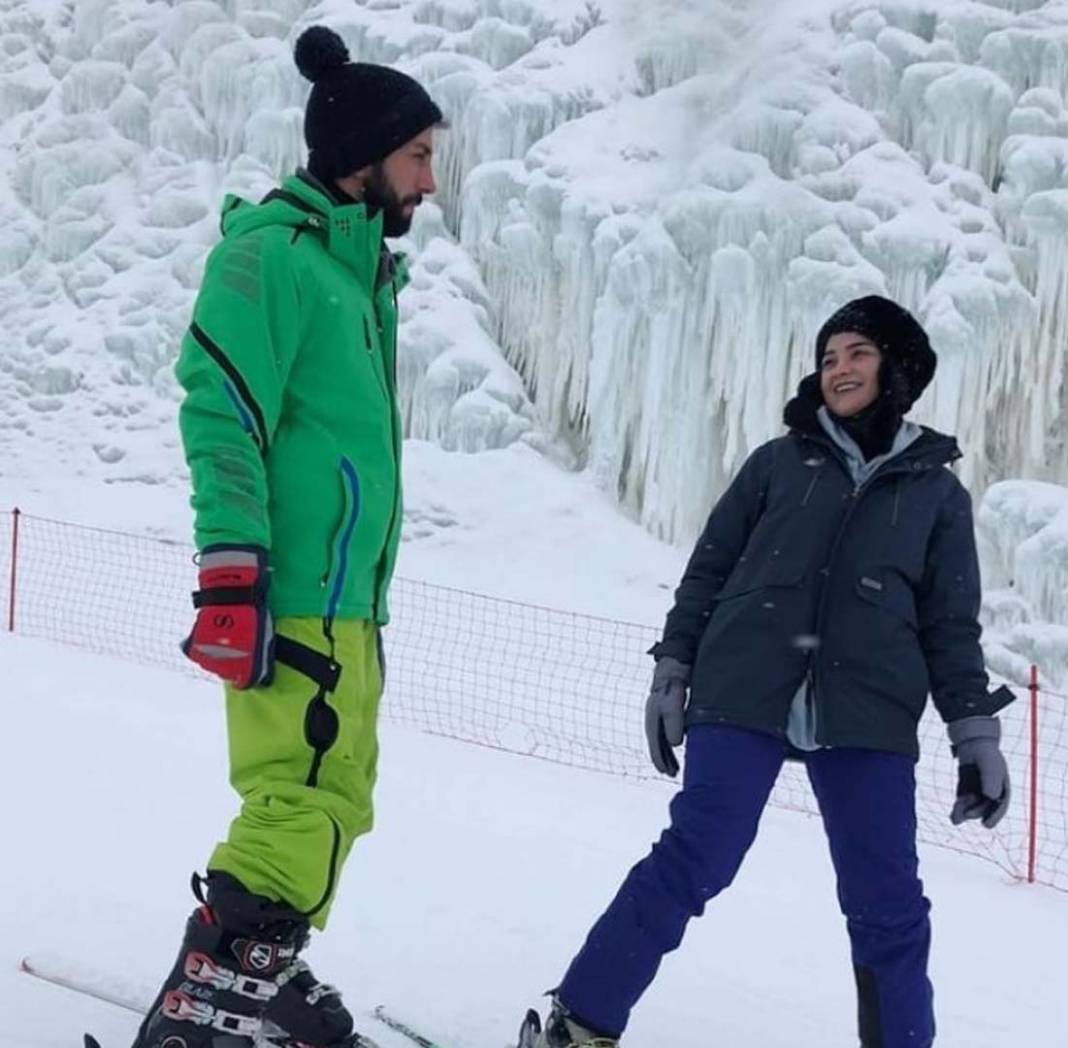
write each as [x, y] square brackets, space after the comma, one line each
[1032, 815]
[14, 569]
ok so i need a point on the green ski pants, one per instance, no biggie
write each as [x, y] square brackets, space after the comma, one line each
[305, 798]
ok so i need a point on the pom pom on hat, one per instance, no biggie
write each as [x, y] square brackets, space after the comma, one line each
[319, 52]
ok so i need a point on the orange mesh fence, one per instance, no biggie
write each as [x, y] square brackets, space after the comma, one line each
[563, 687]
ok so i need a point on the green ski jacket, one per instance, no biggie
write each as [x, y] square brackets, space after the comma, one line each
[290, 421]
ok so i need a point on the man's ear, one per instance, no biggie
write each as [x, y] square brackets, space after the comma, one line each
[353, 185]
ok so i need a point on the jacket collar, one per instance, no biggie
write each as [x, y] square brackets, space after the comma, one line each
[930, 450]
[379, 264]
[352, 235]
[347, 231]
[860, 468]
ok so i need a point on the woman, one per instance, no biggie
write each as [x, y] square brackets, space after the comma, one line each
[835, 584]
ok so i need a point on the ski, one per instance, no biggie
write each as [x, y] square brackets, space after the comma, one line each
[398, 1026]
[59, 976]
[69, 981]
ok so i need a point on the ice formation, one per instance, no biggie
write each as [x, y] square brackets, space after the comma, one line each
[455, 387]
[1023, 532]
[660, 266]
[124, 122]
[646, 209]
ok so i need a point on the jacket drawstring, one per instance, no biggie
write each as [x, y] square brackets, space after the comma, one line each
[897, 501]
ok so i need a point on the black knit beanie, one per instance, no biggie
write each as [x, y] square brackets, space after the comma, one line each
[900, 338]
[357, 113]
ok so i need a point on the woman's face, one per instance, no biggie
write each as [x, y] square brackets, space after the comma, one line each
[849, 373]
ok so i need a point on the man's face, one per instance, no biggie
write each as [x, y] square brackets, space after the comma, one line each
[398, 184]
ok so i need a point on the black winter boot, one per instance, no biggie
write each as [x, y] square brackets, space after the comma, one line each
[238, 977]
[562, 1030]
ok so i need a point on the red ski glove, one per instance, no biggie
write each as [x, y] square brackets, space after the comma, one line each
[233, 636]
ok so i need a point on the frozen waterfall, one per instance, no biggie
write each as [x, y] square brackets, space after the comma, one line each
[646, 209]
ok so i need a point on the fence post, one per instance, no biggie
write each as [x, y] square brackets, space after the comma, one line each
[14, 569]
[1032, 815]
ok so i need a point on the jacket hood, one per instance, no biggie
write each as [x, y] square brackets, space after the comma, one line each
[349, 232]
[801, 416]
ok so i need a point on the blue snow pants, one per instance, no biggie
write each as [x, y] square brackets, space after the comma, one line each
[867, 801]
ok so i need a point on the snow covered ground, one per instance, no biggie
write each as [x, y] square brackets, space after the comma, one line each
[468, 899]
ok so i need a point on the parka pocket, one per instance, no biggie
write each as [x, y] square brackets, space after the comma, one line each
[742, 583]
[887, 590]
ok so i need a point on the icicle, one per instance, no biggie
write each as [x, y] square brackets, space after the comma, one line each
[1023, 526]
[92, 85]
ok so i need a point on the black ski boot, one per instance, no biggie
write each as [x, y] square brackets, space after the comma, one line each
[237, 961]
[306, 1012]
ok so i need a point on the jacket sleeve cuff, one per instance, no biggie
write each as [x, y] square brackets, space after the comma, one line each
[231, 555]
[675, 649]
[986, 705]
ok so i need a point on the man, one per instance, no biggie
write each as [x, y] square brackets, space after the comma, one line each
[293, 439]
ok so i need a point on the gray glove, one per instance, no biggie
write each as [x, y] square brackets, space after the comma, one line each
[983, 776]
[664, 708]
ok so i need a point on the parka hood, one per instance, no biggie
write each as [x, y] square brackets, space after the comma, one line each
[801, 415]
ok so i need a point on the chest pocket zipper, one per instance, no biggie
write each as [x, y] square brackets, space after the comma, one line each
[380, 371]
[812, 485]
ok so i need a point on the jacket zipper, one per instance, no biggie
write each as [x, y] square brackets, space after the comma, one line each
[391, 381]
[339, 544]
[859, 491]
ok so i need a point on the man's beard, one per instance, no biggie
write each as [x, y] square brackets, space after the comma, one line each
[379, 195]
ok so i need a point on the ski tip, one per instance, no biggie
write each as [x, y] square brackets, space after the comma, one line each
[25, 966]
[90, 1041]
